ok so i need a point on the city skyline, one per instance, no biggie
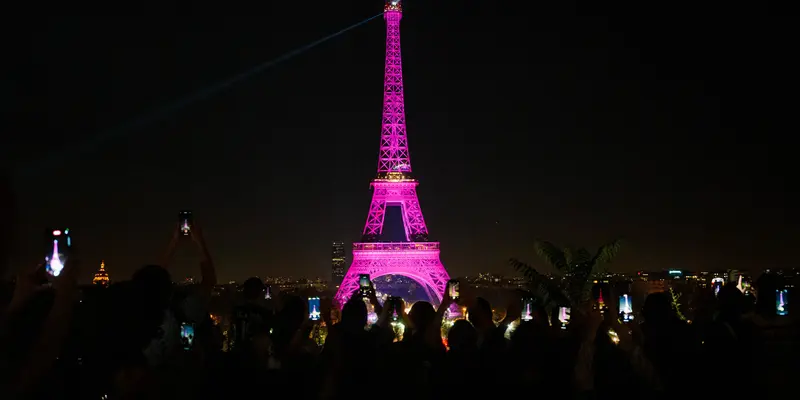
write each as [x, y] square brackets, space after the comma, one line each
[564, 132]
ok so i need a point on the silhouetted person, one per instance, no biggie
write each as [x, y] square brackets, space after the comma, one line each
[461, 363]
[347, 348]
[462, 338]
[669, 342]
[766, 285]
[252, 317]
[151, 289]
[732, 341]
[491, 338]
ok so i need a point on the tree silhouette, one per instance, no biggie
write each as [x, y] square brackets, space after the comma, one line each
[573, 267]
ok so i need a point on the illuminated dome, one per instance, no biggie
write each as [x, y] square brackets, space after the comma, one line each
[101, 277]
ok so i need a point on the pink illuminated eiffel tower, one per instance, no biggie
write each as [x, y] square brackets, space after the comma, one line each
[416, 257]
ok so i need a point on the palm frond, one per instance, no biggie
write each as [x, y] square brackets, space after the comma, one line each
[581, 256]
[551, 254]
[545, 292]
[607, 252]
[568, 258]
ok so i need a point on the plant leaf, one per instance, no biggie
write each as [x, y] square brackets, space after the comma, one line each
[554, 256]
[607, 252]
[544, 290]
[581, 256]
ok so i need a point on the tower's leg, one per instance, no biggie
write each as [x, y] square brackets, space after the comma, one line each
[377, 211]
[412, 216]
[349, 286]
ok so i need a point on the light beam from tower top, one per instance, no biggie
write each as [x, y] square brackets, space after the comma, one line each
[393, 6]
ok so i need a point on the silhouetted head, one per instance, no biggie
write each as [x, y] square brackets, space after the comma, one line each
[658, 308]
[525, 337]
[462, 336]
[354, 314]
[421, 315]
[253, 289]
[705, 304]
[480, 314]
[731, 301]
[294, 312]
[766, 285]
[154, 281]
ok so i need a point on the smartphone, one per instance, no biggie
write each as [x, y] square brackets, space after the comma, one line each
[267, 292]
[527, 309]
[625, 308]
[394, 303]
[365, 285]
[716, 285]
[185, 222]
[187, 335]
[563, 316]
[59, 244]
[782, 302]
[314, 313]
[453, 287]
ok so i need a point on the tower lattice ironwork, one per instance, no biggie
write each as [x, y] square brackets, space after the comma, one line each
[416, 257]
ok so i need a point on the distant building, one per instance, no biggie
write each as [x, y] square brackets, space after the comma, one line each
[101, 276]
[338, 263]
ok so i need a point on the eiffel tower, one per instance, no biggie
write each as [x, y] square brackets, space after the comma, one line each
[416, 257]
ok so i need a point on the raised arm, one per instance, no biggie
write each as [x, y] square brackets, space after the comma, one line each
[629, 334]
[54, 329]
[207, 269]
[28, 283]
[169, 252]
[433, 336]
[586, 322]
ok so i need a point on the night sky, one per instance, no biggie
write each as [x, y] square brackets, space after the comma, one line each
[668, 126]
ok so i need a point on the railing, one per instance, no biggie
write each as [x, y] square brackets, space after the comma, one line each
[397, 246]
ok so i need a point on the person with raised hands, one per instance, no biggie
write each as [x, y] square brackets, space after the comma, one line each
[54, 329]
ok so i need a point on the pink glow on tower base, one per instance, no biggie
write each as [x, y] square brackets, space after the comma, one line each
[418, 261]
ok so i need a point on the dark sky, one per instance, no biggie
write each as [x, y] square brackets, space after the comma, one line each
[663, 124]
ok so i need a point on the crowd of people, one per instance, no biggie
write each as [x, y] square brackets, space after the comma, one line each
[125, 342]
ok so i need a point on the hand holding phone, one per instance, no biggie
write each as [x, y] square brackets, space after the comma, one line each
[364, 285]
[187, 335]
[625, 308]
[185, 222]
[527, 310]
[58, 248]
[564, 314]
[453, 289]
[314, 312]
[782, 302]
[394, 304]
